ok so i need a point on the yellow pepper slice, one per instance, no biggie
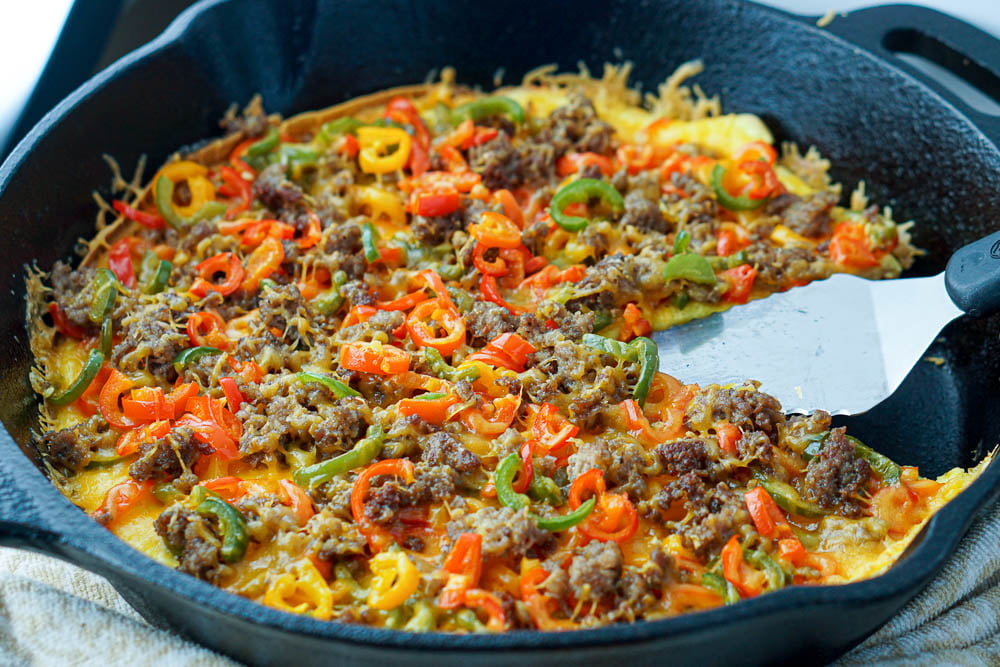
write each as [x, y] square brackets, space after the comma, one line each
[396, 579]
[196, 175]
[379, 205]
[304, 590]
[375, 145]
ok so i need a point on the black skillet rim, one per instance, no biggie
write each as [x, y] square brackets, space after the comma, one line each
[934, 545]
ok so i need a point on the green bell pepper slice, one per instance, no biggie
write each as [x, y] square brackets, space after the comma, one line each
[888, 469]
[689, 266]
[339, 389]
[444, 370]
[640, 349]
[497, 105]
[581, 191]
[270, 141]
[106, 289]
[776, 577]
[337, 127]
[788, 498]
[102, 458]
[545, 490]
[329, 301]
[681, 242]
[185, 357]
[369, 237]
[366, 449]
[719, 584]
[727, 200]
[106, 340]
[160, 278]
[76, 388]
[235, 537]
[503, 479]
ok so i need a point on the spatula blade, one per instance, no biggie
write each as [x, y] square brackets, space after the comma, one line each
[842, 344]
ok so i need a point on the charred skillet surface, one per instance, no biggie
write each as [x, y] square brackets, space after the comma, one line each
[867, 117]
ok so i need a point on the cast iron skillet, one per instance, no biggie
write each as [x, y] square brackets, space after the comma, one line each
[919, 148]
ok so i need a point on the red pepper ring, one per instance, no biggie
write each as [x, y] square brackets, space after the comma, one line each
[615, 519]
[464, 566]
[377, 538]
[243, 190]
[116, 385]
[437, 286]
[763, 181]
[489, 603]
[527, 472]
[496, 268]
[213, 435]
[551, 430]
[225, 263]
[207, 328]
[424, 334]
[120, 259]
[590, 483]
[314, 231]
[401, 109]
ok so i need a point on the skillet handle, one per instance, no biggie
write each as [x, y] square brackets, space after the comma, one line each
[964, 51]
[972, 277]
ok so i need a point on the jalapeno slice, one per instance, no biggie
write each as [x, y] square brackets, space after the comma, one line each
[366, 449]
[498, 105]
[582, 191]
[76, 388]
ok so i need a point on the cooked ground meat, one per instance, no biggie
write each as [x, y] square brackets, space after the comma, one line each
[576, 378]
[783, 266]
[596, 570]
[445, 449]
[357, 294]
[379, 327]
[506, 532]
[283, 197]
[333, 538]
[499, 163]
[743, 406]
[809, 217]
[70, 449]
[71, 290]
[152, 335]
[533, 237]
[195, 539]
[621, 460]
[575, 127]
[837, 479]
[643, 213]
[681, 456]
[715, 513]
[167, 458]
[620, 279]
[300, 413]
[487, 320]
[431, 483]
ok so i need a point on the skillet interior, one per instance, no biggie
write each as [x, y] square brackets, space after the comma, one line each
[869, 119]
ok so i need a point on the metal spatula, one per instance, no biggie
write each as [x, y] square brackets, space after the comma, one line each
[842, 344]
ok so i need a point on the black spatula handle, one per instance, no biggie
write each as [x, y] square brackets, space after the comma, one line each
[972, 276]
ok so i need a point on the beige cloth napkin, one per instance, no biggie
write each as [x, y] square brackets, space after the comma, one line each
[52, 613]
